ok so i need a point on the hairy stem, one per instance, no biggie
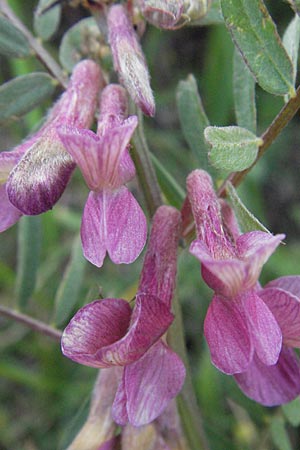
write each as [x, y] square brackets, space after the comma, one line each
[144, 168]
[29, 322]
[268, 137]
[41, 53]
[186, 401]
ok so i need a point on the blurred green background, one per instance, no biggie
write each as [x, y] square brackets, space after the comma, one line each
[43, 396]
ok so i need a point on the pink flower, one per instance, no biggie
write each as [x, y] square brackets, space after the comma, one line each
[162, 13]
[112, 221]
[107, 333]
[129, 60]
[40, 176]
[243, 333]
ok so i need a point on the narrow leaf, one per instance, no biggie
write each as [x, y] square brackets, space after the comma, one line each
[29, 246]
[291, 43]
[171, 189]
[69, 289]
[292, 412]
[244, 94]
[12, 42]
[81, 41]
[279, 434]
[246, 219]
[46, 21]
[192, 118]
[255, 35]
[233, 148]
[24, 93]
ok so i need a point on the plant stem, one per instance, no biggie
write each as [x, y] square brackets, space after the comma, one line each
[144, 168]
[29, 322]
[186, 401]
[41, 53]
[268, 137]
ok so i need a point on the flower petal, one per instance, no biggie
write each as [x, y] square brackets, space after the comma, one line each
[224, 276]
[40, 177]
[265, 332]
[286, 309]
[289, 283]
[9, 215]
[119, 410]
[113, 221]
[227, 335]
[255, 248]
[152, 382]
[159, 270]
[272, 385]
[94, 326]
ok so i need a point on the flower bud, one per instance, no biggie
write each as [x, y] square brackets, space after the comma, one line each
[162, 13]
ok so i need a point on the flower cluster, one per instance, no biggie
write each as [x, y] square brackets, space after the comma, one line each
[108, 333]
[249, 330]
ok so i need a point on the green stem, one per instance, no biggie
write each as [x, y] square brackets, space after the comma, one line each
[268, 137]
[144, 168]
[29, 322]
[41, 53]
[186, 401]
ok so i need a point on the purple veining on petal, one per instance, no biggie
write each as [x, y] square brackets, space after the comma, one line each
[128, 59]
[114, 222]
[263, 327]
[158, 276]
[119, 410]
[285, 307]
[289, 283]
[272, 385]
[151, 383]
[162, 13]
[9, 215]
[227, 335]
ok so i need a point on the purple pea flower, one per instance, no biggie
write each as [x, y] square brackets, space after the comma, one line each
[112, 219]
[107, 333]
[40, 176]
[129, 60]
[242, 331]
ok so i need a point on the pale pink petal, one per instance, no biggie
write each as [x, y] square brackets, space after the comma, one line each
[119, 409]
[162, 13]
[224, 276]
[265, 332]
[113, 221]
[289, 283]
[152, 382]
[9, 215]
[227, 335]
[255, 248]
[126, 226]
[272, 385]
[286, 309]
[94, 326]
[158, 276]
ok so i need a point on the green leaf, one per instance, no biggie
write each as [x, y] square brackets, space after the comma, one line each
[46, 21]
[171, 189]
[192, 118]
[24, 93]
[81, 41]
[279, 434]
[255, 35]
[69, 289]
[246, 219]
[292, 412]
[290, 41]
[244, 94]
[233, 148]
[29, 247]
[12, 42]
